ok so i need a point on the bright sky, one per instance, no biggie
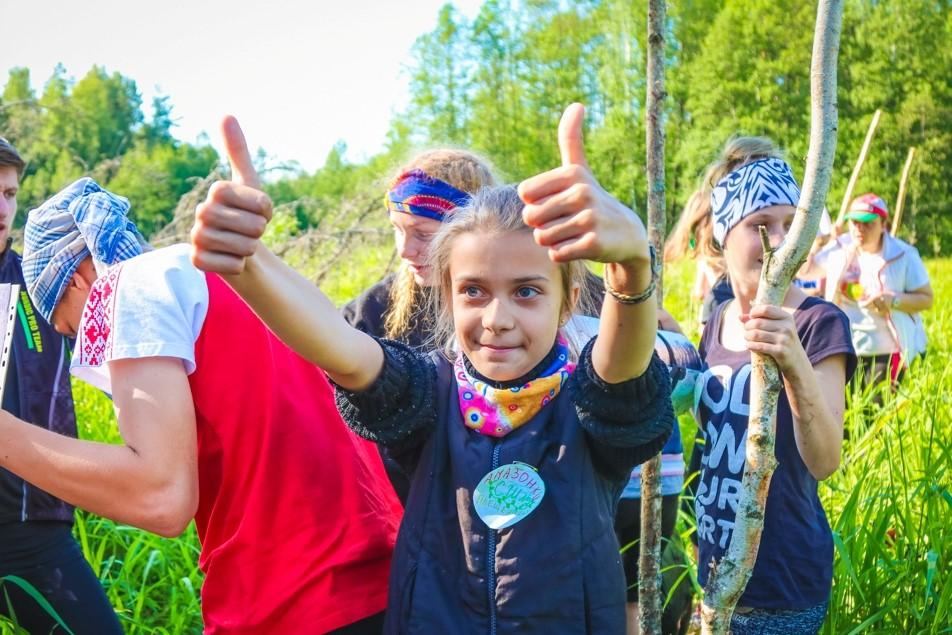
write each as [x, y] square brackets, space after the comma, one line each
[300, 75]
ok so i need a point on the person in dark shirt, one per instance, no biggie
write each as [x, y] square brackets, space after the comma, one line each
[810, 341]
[692, 235]
[425, 192]
[36, 541]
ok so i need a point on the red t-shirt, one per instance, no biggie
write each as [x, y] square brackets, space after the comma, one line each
[296, 516]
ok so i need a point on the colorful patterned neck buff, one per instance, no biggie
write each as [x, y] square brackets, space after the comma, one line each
[415, 192]
[496, 412]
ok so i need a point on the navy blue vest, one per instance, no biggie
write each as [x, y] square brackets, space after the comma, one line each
[40, 375]
[556, 571]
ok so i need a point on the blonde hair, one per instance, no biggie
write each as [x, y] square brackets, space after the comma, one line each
[463, 170]
[694, 224]
[695, 220]
[496, 210]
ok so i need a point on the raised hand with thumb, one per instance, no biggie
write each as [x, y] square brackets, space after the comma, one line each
[572, 215]
[230, 222]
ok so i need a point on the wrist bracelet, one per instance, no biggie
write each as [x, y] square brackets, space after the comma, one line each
[624, 298]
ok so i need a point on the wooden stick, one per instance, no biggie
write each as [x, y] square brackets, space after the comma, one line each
[649, 545]
[848, 194]
[728, 578]
[901, 197]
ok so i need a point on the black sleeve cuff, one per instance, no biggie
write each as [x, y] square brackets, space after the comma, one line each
[399, 408]
[627, 422]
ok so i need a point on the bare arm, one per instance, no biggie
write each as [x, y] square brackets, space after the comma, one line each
[626, 333]
[816, 394]
[817, 401]
[916, 300]
[909, 302]
[151, 481]
[667, 322]
[226, 239]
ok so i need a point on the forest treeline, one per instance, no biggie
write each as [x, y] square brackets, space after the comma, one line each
[498, 82]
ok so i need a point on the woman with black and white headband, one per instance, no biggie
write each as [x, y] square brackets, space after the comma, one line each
[809, 339]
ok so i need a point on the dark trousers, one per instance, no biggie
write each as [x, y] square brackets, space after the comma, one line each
[879, 374]
[372, 625]
[677, 593]
[46, 556]
[875, 369]
[628, 530]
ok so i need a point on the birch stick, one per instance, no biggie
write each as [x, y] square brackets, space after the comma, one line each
[649, 545]
[728, 578]
[848, 194]
[901, 197]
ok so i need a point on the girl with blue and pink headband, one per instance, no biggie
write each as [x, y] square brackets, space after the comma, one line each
[425, 192]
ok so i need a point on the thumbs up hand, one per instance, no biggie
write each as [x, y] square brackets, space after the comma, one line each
[229, 223]
[572, 215]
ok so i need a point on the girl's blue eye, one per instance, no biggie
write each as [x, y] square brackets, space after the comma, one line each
[527, 292]
[471, 292]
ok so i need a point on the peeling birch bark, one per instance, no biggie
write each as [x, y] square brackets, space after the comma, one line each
[649, 546]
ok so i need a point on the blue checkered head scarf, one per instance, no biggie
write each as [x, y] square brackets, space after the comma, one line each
[748, 189]
[81, 220]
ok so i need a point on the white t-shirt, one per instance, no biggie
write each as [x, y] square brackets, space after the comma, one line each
[871, 334]
[153, 305]
[896, 269]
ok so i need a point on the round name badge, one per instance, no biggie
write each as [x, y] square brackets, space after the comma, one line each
[508, 494]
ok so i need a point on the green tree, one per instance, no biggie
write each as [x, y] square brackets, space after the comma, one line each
[19, 114]
[106, 112]
[499, 125]
[159, 128]
[437, 84]
[153, 178]
[897, 59]
[96, 128]
[690, 22]
[617, 144]
[752, 77]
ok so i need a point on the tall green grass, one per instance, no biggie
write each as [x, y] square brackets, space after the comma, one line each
[154, 583]
[890, 504]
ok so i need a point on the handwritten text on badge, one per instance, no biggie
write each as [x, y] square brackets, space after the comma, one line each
[508, 494]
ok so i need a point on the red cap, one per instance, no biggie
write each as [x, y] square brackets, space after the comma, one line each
[867, 207]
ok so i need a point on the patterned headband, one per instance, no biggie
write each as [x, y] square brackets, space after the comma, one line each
[748, 189]
[415, 192]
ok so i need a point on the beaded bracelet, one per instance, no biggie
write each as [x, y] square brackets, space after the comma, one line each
[624, 298]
